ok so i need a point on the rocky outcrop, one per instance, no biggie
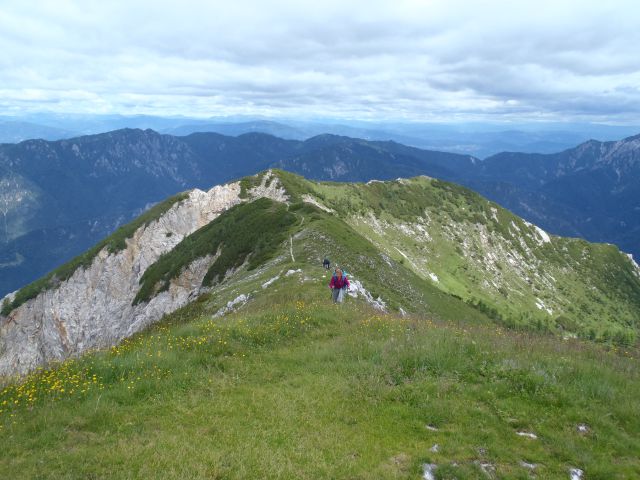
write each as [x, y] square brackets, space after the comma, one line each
[94, 307]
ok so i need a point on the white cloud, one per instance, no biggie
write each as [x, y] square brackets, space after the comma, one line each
[402, 59]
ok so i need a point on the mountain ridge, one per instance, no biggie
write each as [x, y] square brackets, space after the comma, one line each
[442, 245]
[595, 182]
[77, 187]
[57, 201]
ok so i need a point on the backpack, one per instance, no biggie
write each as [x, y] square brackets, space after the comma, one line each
[344, 276]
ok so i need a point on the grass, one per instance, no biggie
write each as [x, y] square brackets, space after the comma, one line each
[294, 387]
[492, 259]
[328, 236]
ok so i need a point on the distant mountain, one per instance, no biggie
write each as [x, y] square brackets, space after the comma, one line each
[86, 124]
[480, 139]
[592, 190]
[17, 131]
[276, 129]
[331, 157]
[474, 141]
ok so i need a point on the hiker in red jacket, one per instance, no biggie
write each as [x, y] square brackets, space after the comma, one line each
[338, 285]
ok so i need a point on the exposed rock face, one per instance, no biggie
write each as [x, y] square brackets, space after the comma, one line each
[358, 290]
[313, 201]
[270, 187]
[93, 308]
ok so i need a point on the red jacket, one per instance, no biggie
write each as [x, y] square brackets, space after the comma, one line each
[341, 282]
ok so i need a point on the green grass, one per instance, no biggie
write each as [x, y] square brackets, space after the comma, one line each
[295, 185]
[113, 243]
[294, 387]
[491, 258]
[328, 236]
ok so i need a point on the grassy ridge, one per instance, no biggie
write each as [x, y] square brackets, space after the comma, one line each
[113, 243]
[293, 387]
[473, 249]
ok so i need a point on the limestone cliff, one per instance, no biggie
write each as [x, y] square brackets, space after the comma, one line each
[94, 307]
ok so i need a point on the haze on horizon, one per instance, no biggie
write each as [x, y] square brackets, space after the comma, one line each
[438, 60]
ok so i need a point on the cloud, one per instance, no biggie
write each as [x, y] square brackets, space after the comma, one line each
[429, 59]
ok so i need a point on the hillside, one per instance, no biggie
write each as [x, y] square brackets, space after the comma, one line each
[256, 365]
[414, 243]
[254, 374]
[291, 387]
[590, 191]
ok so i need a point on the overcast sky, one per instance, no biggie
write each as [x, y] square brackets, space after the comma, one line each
[418, 60]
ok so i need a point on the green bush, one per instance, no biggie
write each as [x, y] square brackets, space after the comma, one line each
[249, 231]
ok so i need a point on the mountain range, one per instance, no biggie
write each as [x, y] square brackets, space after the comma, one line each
[591, 191]
[59, 198]
[480, 139]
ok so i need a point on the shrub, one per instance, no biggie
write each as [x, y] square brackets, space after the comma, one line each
[249, 231]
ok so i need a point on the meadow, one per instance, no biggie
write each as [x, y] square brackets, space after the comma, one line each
[292, 386]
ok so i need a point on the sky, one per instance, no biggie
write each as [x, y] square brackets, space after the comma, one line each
[427, 60]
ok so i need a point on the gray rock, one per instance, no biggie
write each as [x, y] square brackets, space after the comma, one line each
[428, 471]
[93, 308]
[575, 474]
[582, 428]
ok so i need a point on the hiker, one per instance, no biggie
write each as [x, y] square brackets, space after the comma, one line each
[326, 263]
[338, 285]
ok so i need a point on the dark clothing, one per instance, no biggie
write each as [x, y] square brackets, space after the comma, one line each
[326, 264]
